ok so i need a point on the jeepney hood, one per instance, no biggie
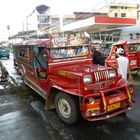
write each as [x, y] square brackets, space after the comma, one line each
[81, 69]
[67, 76]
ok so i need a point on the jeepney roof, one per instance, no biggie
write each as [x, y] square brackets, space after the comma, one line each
[55, 42]
[33, 42]
[108, 42]
[120, 42]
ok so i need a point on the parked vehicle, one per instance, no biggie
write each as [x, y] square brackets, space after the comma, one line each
[61, 70]
[134, 47]
[132, 52]
[106, 47]
[4, 53]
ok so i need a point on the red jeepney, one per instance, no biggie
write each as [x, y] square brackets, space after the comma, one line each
[132, 52]
[61, 70]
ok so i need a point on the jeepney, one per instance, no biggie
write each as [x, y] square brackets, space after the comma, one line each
[132, 52]
[61, 70]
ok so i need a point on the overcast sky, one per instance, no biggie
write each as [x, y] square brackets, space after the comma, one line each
[14, 12]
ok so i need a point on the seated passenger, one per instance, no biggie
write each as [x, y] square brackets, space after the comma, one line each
[70, 52]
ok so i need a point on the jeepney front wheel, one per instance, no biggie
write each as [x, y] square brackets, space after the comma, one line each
[67, 108]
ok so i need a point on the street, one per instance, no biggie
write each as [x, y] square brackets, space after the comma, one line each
[24, 120]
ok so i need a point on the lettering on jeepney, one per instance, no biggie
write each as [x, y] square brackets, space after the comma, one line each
[59, 42]
[66, 74]
[116, 99]
[77, 41]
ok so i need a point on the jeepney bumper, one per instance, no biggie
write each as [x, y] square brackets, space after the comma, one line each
[107, 103]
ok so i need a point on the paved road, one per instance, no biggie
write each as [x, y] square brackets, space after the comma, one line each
[116, 128]
[20, 120]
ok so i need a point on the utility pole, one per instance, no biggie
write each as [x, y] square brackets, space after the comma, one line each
[8, 29]
[61, 21]
[27, 25]
[23, 26]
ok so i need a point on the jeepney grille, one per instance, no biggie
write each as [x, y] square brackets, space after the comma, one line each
[101, 76]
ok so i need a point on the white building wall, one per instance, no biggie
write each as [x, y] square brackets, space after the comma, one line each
[129, 9]
[32, 21]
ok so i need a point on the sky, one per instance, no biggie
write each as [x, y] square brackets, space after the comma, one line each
[14, 12]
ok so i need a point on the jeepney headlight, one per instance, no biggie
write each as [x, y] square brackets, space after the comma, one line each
[87, 78]
[112, 74]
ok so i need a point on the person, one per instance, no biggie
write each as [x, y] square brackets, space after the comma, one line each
[122, 64]
[97, 57]
[41, 62]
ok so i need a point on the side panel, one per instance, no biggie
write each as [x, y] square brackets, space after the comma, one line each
[133, 57]
[26, 59]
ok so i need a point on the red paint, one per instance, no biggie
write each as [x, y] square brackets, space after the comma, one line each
[66, 74]
[114, 20]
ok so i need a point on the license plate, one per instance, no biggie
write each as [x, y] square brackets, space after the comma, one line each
[133, 62]
[113, 106]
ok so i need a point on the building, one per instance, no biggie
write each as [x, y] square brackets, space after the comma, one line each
[85, 15]
[130, 33]
[101, 28]
[121, 10]
[138, 12]
[47, 20]
[105, 25]
[53, 22]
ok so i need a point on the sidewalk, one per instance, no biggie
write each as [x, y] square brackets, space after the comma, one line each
[18, 120]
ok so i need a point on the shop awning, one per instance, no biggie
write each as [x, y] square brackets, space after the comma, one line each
[99, 23]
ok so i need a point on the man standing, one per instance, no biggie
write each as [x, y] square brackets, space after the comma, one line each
[98, 58]
[122, 63]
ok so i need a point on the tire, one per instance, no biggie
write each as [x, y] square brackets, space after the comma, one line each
[67, 108]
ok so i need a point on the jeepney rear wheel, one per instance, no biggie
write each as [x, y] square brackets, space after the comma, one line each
[67, 108]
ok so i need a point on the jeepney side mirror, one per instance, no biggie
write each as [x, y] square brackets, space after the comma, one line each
[113, 55]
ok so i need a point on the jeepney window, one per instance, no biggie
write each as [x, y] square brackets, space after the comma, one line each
[68, 52]
[40, 59]
[138, 48]
[133, 48]
[23, 52]
[41, 56]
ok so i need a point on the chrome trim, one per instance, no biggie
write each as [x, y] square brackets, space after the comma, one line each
[59, 62]
[101, 75]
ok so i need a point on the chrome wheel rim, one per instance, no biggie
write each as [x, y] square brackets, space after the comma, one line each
[64, 108]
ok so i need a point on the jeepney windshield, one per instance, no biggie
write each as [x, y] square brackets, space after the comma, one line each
[69, 52]
[106, 49]
[134, 47]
